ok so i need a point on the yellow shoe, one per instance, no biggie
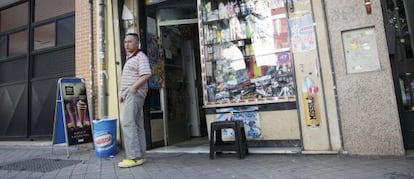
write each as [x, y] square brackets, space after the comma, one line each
[126, 163]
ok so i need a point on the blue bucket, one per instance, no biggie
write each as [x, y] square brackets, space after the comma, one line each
[104, 137]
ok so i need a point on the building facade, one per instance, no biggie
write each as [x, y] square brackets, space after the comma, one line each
[315, 76]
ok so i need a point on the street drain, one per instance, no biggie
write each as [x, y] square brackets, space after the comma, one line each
[39, 165]
[395, 175]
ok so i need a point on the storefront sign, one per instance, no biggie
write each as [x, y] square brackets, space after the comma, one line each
[72, 121]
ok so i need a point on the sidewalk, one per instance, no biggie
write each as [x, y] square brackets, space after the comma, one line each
[84, 164]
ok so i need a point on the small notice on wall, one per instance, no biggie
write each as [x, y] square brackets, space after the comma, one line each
[361, 52]
[251, 123]
[302, 33]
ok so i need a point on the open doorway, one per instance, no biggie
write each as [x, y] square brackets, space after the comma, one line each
[178, 118]
[181, 95]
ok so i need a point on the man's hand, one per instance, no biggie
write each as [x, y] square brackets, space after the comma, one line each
[121, 99]
[133, 89]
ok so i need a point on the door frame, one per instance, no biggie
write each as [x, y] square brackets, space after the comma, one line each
[163, 97]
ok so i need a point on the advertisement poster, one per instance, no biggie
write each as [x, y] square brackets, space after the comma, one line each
[250, 120]
[75, 111]
[280, 25]
[260, 25]
[277, 6]
[310, 102]
[262, 41]
[302, 33]
[156, 59]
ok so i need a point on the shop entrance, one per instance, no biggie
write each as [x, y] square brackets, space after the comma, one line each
[177, 119]
[182, 118]
[399, 23]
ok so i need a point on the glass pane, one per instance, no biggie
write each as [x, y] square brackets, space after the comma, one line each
[155, 101]
[18, 43]
[66, 31]
[56, 63]
[247, 51]
[44, 36]
[45, 9]
[13, 70]
[3, 47]
[9, 18]
[177, 13]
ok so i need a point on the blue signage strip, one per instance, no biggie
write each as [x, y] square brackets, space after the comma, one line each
[59, 127]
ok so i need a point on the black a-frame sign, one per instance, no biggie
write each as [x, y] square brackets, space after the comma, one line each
[72, 122]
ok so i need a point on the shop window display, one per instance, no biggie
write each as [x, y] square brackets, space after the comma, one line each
[246, 52]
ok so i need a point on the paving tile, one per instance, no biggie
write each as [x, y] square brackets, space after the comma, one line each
[79, 169]
[125, 176]
[35, 175]
[51, 174]
[23, 174]
[140, 172]
[121, 172]
[92, 175]
[79, 176]
[108, 176]
[160, 176]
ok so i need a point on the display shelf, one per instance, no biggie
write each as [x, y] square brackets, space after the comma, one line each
[244, 41]
[223, 20]
[251, 102]
[246, 56]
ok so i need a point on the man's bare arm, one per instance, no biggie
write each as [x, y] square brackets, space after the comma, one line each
[141, 80]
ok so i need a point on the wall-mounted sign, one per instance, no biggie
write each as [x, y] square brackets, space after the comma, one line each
[361, 52]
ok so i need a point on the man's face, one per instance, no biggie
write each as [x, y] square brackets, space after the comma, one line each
[130, 44]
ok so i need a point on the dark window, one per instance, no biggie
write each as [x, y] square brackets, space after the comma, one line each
[3, 46]
[13, 70]
[18, 43]
[44, 36]
[52, 64]
[66, 31]
[45, 9]
[13, 17]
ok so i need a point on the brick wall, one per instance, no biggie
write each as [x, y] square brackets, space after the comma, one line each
[82, 47]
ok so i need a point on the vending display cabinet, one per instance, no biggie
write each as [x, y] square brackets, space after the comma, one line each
[246, 57]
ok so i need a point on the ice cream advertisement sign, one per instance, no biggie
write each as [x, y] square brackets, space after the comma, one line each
[75, 111]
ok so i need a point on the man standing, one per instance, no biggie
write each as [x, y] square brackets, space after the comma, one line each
[134, 89]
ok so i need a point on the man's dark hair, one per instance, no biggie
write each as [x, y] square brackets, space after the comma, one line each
[133, 34]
